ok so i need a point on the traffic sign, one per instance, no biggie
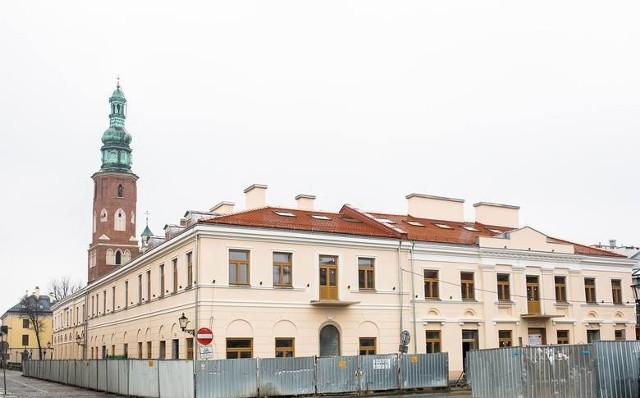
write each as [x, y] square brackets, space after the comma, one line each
[204, 336]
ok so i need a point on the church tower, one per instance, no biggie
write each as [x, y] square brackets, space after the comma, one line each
[114, 242]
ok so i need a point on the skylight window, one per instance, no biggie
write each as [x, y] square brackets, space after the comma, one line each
[320, 217]
[469, 228]
[349, 219]
[495, 231]
[443, 226]
[284, 214]
[385, 220]
[414, 223]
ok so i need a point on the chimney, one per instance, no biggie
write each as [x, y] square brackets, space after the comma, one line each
[223, 208]
[305, 202]
[255, 196]
[37, 293]
[497, 214]
[612, 243]
[435, 207]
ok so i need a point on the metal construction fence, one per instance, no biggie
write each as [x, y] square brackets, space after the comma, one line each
[251, 377]
[604, 369]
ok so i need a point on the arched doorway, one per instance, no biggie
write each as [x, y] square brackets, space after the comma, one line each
[329, 341]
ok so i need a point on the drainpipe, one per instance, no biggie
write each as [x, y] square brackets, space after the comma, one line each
[413, 301]
[400, 301]
[196, 260]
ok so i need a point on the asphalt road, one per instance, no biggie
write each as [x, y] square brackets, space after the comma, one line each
[27, 387]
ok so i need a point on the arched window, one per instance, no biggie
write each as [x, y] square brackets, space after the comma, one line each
[127, 256]
[118, 257]
[103, 215]
[120, 220]
[110, 259]
[133, 217]
[120, 191]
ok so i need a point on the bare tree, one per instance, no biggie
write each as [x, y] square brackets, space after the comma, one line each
[62, 287]
[35, 309]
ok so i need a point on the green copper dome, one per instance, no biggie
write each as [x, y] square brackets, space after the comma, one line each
[116, 152]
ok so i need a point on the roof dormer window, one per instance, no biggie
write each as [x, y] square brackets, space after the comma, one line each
[443, 226]
[284, 214]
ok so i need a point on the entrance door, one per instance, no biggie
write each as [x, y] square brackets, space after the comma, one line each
[537, 337]
[469, 342]
[329, 341]
[533, 295]
[328, 277]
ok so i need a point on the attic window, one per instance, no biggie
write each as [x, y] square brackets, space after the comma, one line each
[443, 226]
[320, 217]
[469, 228]
[349, 219]
[284, 214]
[385, 220]
[414, 223]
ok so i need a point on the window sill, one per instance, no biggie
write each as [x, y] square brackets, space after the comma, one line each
[505, 303]
[283, 287]
[432, 299]
[563, 304]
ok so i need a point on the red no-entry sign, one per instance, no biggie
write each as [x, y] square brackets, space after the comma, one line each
[204, 336]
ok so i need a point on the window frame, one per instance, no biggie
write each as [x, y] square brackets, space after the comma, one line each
[431, 284]
[616, 291]
[467, 286]
[237, 264]
[367, 345]
[562, 339]
[433, 341]
[560, 288]
[365, 271]
[504, 287]
[284, 346]
[239, 350]
[505, 338]
[590, 296]
[281, 266]
[189, 269]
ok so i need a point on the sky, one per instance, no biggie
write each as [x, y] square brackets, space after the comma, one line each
[532, 104]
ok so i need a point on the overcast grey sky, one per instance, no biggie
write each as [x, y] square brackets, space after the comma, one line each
[534, 104]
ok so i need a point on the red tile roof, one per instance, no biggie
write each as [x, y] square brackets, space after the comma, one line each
[352, 221]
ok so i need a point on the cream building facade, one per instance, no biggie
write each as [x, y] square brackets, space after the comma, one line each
[272, 281]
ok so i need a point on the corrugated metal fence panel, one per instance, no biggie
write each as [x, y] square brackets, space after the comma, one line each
[227, 378]
[102, 375]
[54, 371]
[495, 373]
[71, 373]
[143, 378]
[559, 371]
[93, 375]
[85, 376]
[113, 376]
[336, 374]
[424, 370]
[286, 376]
[378, 372]
[176, 379]
[123, 377]
[617, 364]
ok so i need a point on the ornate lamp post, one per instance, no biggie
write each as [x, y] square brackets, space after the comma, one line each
[183, 320]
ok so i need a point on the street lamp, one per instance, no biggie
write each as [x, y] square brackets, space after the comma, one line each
[79, 339]
[183, 320]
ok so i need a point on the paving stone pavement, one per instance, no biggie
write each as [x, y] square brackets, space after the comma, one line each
[19, 386]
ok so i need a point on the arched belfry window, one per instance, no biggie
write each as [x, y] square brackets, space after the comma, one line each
[120, 191]
[120, 220]
[103, 215]
[118, 257]
[110, 258]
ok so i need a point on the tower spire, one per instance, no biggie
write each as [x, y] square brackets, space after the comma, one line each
[116, 152]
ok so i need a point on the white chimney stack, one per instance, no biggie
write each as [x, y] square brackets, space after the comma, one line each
[305, 202]
[255, 196]
[223, 208]
[497, 214]
[435, 207]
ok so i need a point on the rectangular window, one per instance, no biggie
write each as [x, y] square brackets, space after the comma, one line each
[284, 348]
[430, 284]
[282, 269]
[125, 350]
[238, 267]
[366, 273]
[616, 291]
[433, 341]
[562, 336]
[593, 335]
[113, 350]
[504, 291]
[504, 338]
[126, 294]
[25, 324]
[149, 350]
[175, 349]
[239, 348]
[190, 348]
[148, 286]
[104, 351]
[163, 350]
[189, 270]
[175, 275]
[620, 335]
[93, 305]
[104, 302]
[466, 286]
[140, 289]
[161, 280]
[561, 289]
[113, 299]
[25, 340]
[367, 346]
[140, 350]
[590, 290]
